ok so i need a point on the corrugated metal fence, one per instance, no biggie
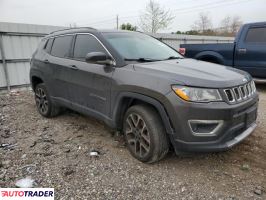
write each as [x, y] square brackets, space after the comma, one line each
[18, 42]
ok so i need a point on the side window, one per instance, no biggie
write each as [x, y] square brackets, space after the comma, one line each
[86, 44]
[61, 46]
[256, 35]
[42, 44]
[48, 45]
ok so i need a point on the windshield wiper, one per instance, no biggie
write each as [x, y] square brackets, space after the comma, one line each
[141, 59]
[150, 59]
[173, 57]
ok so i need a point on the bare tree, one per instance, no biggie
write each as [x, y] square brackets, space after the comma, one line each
[230, 25]
[235, 24]
[73, 25]
[155, 17]
[225, 25]
[203, 24]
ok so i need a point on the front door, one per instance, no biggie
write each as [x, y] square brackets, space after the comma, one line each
[90, 84]
[250, 53]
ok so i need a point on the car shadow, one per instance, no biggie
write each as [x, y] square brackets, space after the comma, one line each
[261, 87]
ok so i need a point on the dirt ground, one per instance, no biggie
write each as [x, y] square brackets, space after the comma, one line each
[56, 153]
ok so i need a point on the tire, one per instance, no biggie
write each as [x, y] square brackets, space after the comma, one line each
[145, 134]
[44, 104]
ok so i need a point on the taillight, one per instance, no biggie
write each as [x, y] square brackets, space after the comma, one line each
[182, 51]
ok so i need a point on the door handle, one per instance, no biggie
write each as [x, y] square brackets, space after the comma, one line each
[74, 67]
[46, 61]
[242, 51]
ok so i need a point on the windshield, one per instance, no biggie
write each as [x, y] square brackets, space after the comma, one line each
[136, 46]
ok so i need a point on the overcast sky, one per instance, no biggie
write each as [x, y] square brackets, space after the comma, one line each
[102, 13]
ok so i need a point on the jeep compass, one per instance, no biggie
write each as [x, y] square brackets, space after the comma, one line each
[144, 88]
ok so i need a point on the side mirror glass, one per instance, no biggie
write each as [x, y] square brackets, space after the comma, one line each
[99, 58]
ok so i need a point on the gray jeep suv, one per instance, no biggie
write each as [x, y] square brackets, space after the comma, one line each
[141, 86]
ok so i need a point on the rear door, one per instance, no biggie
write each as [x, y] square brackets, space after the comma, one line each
[90, 84]
[250, 54]
[59, 62]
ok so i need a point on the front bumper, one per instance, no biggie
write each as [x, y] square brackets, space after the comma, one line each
[239, 121]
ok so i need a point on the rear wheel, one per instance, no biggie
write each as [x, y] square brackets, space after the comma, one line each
[43, 102]
[145, 134]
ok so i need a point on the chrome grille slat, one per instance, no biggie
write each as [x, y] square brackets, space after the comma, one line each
[237, 93]
[249, 89]
[240, 93]
[230, 96]
[246, 89]
[253, 86]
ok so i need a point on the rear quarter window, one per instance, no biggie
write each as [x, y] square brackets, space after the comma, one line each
[48, 45]
[61, 46]
[256, 35]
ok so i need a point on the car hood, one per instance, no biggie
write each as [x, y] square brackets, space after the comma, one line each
[195, 73]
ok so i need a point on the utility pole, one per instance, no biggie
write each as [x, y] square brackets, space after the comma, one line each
[117, 22]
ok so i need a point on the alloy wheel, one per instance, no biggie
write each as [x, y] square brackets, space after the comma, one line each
[41, 100]
[137, 135]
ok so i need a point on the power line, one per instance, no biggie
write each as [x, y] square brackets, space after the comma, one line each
[202, 7]
[196, 6]
[107, 18]
[215, 6]
[180, 10]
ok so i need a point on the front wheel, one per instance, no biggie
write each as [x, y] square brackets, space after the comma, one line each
[145, 134]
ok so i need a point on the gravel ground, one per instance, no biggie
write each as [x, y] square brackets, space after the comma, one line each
[56, 153]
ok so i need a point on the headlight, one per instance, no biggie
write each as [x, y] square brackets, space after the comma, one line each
[197, 94]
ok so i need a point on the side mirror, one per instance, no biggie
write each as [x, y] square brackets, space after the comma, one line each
[99, 58]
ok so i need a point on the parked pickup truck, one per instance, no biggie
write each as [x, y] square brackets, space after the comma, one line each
[247, 53]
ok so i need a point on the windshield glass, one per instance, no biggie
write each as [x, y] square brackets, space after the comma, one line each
[136, 45]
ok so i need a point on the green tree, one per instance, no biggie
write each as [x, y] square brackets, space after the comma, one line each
[192, 32]
[128, 26]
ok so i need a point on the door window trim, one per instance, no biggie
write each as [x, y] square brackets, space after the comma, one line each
[73, 45]
[76, 34]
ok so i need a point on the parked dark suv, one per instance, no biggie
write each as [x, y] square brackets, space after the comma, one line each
[137, 84]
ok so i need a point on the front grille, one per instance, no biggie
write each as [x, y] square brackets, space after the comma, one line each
[240, 93]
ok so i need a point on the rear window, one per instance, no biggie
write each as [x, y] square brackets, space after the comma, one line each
[61, 46]
[256, 35]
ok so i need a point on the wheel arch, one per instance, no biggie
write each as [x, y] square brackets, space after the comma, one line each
[210, 56]
[35, 80]
[128, 99]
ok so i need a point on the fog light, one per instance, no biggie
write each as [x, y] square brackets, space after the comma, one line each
[205, 127]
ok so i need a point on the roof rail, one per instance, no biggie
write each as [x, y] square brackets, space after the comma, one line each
[72, 29]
